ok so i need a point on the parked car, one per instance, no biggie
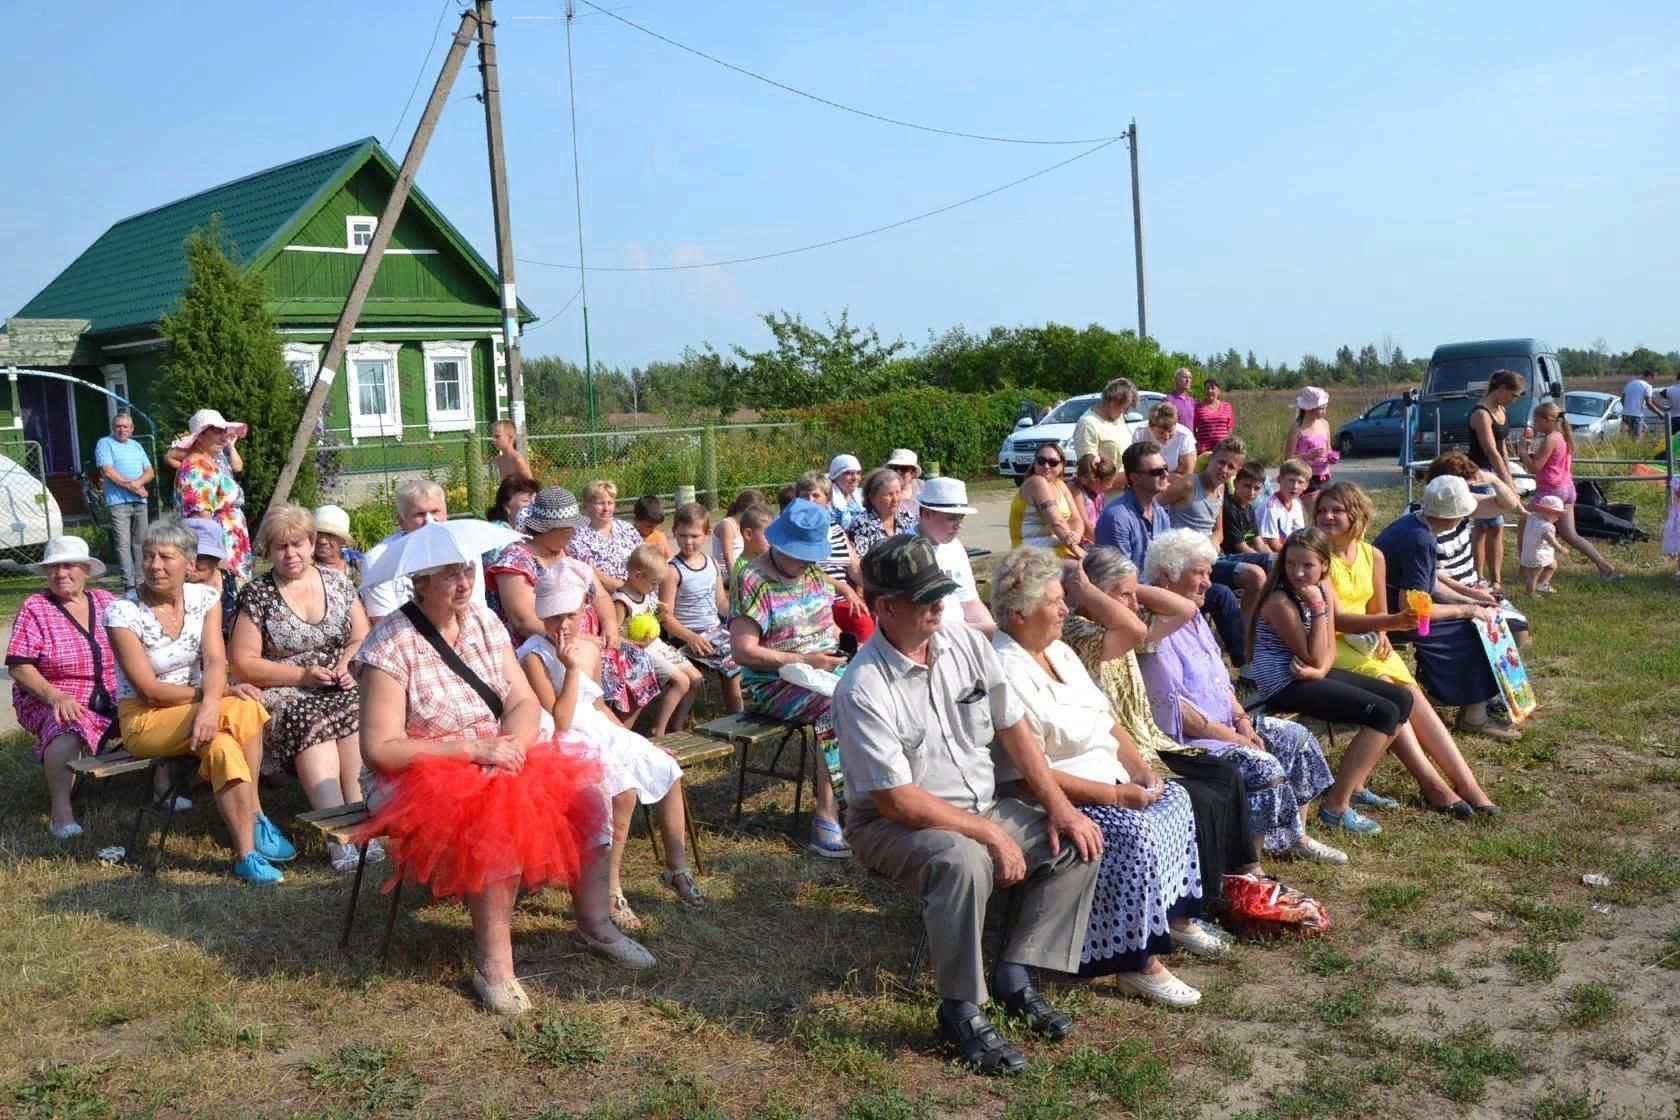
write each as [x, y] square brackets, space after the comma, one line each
[1457, 378]
[1015, 456]
[1380, 429]
[1593, 416]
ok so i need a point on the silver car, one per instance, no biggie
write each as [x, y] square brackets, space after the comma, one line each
[1016, 455]
[1592, 416]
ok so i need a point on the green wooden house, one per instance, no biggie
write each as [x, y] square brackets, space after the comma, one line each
[425, 362]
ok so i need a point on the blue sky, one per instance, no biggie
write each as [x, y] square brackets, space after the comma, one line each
[1312, 173]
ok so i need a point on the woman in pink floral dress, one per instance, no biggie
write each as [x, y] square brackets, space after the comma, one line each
[203, 488]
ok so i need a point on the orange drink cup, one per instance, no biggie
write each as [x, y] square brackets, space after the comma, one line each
[1419, 603]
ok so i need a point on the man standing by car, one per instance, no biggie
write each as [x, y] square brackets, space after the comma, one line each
[126, 471]
[1102, 430]
[1635, 397]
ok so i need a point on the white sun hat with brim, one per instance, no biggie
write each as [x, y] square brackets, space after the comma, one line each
[334, 522]
[67, 550]
[1311, 397]
[562, 587]
[904, 457]
[209, 418]
[946, 495]
[1447, 498]
[439, 544]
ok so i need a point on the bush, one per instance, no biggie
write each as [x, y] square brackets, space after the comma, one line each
[373, 522]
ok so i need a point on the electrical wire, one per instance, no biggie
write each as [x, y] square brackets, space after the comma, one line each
[835, 104]
[554, 318]
[834, 240]
[421, 73]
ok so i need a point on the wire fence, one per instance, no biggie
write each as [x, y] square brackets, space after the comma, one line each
[711, 462]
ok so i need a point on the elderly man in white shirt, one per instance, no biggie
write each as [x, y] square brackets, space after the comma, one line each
[917, 713]
[419, 500]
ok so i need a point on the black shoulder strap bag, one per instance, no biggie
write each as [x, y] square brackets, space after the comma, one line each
[424, 626]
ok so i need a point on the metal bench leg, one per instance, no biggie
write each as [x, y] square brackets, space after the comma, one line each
[917, 956]
[805, 740]
[355, 893]
[693, 833]
[741, 782]
[390, 922]
[131, 854]
[169, 797]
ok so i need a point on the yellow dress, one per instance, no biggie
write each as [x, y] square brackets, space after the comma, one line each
[1353, 587]
[1027, 526]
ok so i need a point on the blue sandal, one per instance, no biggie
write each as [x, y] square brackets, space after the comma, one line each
[1365, 799]
[828, 840]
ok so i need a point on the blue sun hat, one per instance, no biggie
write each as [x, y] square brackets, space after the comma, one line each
[801, 531]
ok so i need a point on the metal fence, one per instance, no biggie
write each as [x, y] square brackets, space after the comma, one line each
[716, 461]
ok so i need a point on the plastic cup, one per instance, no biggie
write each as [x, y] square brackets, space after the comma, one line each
[1420, 603]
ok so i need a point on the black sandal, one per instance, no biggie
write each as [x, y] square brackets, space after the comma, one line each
[1045, 1021]
[980, 1047]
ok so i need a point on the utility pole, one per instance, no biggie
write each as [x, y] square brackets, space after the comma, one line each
[504, 222]
[577, 193]
[1137, 233]
[369, 267]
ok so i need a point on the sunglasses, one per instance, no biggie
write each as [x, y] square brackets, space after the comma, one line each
[1157, 472]
[1047, 462]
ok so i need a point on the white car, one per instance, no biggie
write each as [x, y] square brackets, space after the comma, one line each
[1593, 416]
[1016, 455]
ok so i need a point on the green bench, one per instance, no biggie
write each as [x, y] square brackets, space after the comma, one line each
[747, 731]
[114, 762]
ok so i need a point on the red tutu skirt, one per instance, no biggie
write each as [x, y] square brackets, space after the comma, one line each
[457, 829]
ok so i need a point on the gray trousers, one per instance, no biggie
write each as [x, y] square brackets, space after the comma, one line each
[952, 875]
[128, 527]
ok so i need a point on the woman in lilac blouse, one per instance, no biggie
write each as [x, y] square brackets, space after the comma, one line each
[605, 543]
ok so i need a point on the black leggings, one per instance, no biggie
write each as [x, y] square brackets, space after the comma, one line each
[1219, 800]
[1344, 697]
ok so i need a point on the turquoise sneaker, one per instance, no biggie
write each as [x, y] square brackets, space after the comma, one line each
[1350, 820]
[256, 870]
[268, 841]
[1365, 799]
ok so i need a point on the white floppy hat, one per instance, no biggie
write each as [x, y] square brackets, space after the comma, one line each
[1447, 498]
[209, 418]
[334, 522]
[1311, 397]
[946, 495]
[67, 550]
[840, 464]
[904, 457]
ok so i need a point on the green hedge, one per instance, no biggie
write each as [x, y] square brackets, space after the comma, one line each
[959, 431]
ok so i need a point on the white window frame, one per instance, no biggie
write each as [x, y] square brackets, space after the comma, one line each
[350, 224]
[297, 353]
[116, 380]
[388, 423]
[449, 420]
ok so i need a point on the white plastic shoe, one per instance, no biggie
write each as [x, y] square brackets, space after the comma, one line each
[1158, 987]
[1194, 938]
[65, 831]
[1309, 849]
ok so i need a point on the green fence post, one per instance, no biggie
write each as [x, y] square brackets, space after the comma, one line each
[708, 468]
[475, 474]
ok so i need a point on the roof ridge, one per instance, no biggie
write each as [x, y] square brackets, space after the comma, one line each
[346, 148]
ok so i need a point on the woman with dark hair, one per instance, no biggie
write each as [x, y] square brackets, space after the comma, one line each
[1488, 433]
[1045, 512]
[512, 496]
[884, 514]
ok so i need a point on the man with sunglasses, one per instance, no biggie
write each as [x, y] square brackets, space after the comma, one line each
[1130, 522]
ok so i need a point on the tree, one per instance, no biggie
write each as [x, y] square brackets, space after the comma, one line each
[223, 352]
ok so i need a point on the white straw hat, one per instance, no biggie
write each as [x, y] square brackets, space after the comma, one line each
[904, 457]
[946, 495]
[67, 550]
[333, 521]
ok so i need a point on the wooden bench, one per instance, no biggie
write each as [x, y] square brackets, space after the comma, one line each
[746, 731]
[113, 762]
[691, 749]
[338, 825]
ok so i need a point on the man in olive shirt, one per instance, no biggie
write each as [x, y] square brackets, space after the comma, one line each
[1102, 430]
[917, 712]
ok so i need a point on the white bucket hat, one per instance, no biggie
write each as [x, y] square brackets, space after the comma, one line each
[904, 457]
[67, 550]
[1447, 498]
[334, 522]
[840, 464]
[946, 495]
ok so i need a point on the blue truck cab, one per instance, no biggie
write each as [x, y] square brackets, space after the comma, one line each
[1457, 378]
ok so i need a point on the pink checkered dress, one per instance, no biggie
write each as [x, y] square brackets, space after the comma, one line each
[440, 704]
[45, 637]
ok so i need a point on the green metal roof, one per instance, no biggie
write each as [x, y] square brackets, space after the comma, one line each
[135, 272]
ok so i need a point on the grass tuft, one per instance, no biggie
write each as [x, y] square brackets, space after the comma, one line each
[1668, 956]
[366, 1079]
[1558, 1103]
[1533, 962]
[556, 1040]
[887, 1102]
[1321, 958]
[1384, 899]
[1465, 1058]
[64, 1091]
[1589, 1005]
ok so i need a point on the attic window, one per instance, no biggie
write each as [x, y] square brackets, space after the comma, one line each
[359, 231]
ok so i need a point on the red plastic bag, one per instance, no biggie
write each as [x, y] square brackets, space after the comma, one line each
[1262, 907]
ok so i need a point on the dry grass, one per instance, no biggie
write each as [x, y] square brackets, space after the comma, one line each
[1467, 969]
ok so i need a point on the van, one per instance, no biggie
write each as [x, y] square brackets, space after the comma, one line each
[1457, 378]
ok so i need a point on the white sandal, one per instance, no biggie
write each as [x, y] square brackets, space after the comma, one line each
[506, 998]
[1160, 987]
[344, 858]
[691, 896]
[618, 910]
[625, 952]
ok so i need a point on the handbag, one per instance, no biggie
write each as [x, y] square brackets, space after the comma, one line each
[423, 626]
[101, 703]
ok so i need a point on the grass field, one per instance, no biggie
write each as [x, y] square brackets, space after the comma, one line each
[1469, 971]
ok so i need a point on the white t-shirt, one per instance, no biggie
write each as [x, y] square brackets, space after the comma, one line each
[1638, 391]
[1277, 520]
[953, 561]
[381, 599]
[1182, 442]
[1671, 394]
[173, 660]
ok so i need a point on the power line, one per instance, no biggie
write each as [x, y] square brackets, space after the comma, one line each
[835, 104]
[554, 318]
[444, 11]
[835, 240]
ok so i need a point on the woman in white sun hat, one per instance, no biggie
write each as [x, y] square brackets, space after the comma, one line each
[335, 548]
[846, 473]
[63, 675]
[205, 486]
[904, 461]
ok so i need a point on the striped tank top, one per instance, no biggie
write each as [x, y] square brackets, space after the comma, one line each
[1271, 657]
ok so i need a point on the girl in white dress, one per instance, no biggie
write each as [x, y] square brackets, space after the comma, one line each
[564, 668]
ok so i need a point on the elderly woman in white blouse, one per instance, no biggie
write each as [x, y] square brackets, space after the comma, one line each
[1149, 886]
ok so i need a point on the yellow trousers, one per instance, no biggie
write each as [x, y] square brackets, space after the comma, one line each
[150, 732]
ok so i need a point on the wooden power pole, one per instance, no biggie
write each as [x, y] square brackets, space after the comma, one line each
[1137, 233]
[369, 267]
[504, 222]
